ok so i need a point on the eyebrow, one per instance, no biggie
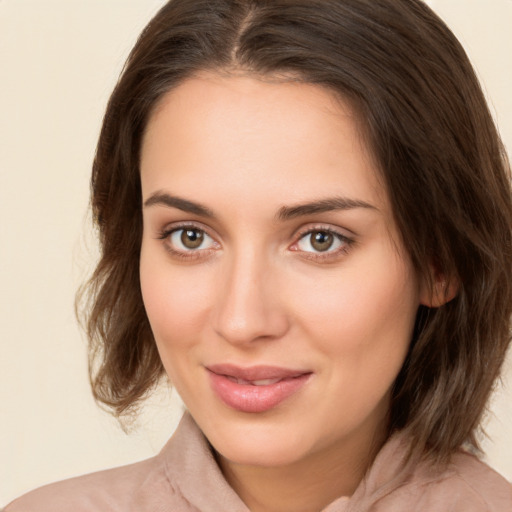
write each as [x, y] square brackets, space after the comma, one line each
[164, 199]
[321, 206]
[284, 213]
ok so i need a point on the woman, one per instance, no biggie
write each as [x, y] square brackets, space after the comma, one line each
[305, 217]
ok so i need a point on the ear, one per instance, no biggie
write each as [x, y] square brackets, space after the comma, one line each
[438, 289]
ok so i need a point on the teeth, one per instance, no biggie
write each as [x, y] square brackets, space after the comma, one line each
[262, 382]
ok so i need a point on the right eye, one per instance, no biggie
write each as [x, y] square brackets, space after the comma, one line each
[189, 239]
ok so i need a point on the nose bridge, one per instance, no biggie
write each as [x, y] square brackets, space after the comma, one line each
[248, 307]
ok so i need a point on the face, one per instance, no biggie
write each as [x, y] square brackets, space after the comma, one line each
[273, 275]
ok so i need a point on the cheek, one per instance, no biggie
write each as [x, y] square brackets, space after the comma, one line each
[364, 315]
[176, 307]
[363, 327]
[176, 302]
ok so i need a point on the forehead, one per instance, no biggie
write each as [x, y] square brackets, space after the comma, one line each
[261, 134]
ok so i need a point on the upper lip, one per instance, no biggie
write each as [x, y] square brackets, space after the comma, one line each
[254, 373]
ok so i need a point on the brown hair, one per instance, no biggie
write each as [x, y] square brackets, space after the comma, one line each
[429, 128]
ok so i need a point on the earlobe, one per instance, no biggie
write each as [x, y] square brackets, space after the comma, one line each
[436, 292]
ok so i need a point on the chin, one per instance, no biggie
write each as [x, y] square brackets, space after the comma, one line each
[257, 443]
[260, 454]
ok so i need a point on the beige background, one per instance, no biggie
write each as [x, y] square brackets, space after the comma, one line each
[59, 60]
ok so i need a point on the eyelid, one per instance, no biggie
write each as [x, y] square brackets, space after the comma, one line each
[175, 226]
[343, 233]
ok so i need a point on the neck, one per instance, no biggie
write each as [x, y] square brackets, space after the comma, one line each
[309, 484]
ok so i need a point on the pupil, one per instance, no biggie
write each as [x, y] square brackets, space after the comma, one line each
[191, 238]
[321, 240]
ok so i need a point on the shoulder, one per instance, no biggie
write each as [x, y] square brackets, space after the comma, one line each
[183, 477]
[83, 493]
[466, 485]
[114, 490]
[472, 477]
[400, 483]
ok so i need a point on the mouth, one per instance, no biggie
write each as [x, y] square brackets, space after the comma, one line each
[255, 389]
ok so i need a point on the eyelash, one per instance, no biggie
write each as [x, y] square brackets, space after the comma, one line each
[326, 256]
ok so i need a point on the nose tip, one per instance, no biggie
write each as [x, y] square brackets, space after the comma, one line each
[249, 309]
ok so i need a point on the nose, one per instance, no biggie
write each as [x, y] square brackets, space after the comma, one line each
[249, 306]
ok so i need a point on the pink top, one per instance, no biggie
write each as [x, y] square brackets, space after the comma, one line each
[184, 477]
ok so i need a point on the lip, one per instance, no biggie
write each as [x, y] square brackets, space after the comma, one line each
[255, 389]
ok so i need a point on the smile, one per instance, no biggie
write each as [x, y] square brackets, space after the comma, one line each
[256, 389]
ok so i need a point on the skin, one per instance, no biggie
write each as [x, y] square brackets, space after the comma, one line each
[256, 290]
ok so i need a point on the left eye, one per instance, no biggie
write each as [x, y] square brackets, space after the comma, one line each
[320, 241]
[190, 239]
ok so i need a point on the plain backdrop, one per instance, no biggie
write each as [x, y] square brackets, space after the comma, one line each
[59, 60]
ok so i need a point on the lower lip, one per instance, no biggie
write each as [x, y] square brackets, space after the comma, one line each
[250, 398]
